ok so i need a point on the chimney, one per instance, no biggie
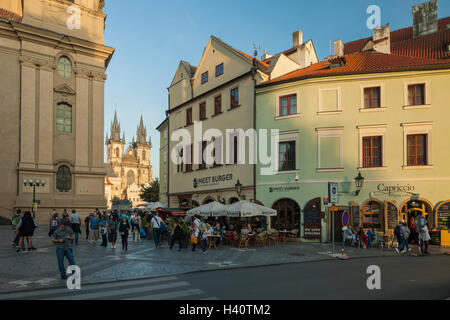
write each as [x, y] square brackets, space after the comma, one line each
[425, 18]
[297, 38]
[338, 48]
[382, 39]
[265, 56]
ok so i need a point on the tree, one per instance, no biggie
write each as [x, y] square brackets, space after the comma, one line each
[151, 193]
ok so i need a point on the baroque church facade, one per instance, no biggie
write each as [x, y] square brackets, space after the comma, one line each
[128, 169]
[52, 80]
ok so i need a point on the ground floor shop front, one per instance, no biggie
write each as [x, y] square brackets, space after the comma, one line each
[303, 207]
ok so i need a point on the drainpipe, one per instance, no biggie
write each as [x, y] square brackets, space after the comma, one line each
[254, 68]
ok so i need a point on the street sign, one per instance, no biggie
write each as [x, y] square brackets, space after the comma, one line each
[334, 209]
[333, 192]
[325, 201]
[345, 218]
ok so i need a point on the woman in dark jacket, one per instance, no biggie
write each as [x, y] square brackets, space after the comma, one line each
[112, 230]
[26, 228]
[124, 229]
[178, 234]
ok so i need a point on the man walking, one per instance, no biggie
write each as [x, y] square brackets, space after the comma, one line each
[94, 224]
[14, 223]
[62, 238]
[156, 223]
[420, 225]
[199, 228]
[75, 220]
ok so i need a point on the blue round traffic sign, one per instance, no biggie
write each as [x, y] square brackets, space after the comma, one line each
[345, 218]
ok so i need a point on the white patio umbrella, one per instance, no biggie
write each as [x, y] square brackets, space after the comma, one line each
[246, 209]
[156, 205]
[214, 209]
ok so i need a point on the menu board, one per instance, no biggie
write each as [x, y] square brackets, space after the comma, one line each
[355, 215]
[444, 216]
[392, 216]
[312, 223]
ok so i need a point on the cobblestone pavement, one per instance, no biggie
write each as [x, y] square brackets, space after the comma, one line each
[38, 269]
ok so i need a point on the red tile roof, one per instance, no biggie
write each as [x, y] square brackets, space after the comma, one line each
[10, 16]
[360, 63]
[431, 46]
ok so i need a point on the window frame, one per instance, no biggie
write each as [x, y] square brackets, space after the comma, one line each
[372, 131]
[337, 132]
[288, 97]
[371, 100]
[339, 101]
[427, 98]
[215, 104]
[287, 160]
[368, 85]
[415, 129]
[64, 103]
[202, 105]
[286, 136]
[415, 146]
[57, 181]
[232, 105]
[189, 119]
[371, 156]
[204, 77]
[221, 73]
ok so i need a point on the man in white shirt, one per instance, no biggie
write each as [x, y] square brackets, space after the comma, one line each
[156, 223]
[75, 220]
[199, 228]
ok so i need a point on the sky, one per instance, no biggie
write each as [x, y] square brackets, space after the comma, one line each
[151, 37]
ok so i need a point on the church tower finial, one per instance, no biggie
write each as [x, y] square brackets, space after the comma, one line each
[115, 128]
[141, 133]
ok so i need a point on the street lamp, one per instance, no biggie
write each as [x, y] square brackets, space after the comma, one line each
[34, 184]
[359, 180]
[238, 187]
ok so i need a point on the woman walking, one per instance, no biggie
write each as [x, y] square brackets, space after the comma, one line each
[124, 230]
[26, 228]
[104, 231]
[136, 221]
[112, 230]
[54, 224]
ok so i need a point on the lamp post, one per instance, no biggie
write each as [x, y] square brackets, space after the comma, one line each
[359, 180]
[34, 183]
[238, 187]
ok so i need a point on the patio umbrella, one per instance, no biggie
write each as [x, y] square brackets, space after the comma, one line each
[156, 205]
[246, 209]
[215, 209]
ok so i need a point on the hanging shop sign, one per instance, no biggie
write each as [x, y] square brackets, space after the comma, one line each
[333, 192]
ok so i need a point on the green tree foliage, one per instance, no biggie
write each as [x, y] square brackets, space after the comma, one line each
[151, 194]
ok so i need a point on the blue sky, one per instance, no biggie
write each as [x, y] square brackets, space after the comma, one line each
[151, 37]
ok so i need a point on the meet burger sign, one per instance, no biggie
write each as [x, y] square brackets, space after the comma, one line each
[212, 180]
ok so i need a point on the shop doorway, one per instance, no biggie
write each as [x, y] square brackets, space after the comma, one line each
[312, 220]
[288, 216]
[338, 233]
[412, 208]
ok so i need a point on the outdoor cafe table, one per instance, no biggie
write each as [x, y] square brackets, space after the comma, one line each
[283, 234]
[212, 240]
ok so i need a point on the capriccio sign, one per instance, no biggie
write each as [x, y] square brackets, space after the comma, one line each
[396, 188]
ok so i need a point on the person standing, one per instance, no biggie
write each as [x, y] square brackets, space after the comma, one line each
[75, 221]
[399, 232]
[87, 221]
[26, 228]
[420, 224]
[406, 233]
[413, 234]
[136, 228]
[178, 235]
[62, 238]
[424, 237]
[104, 231]
[124, 228]
[156, 223]
[54, 223]
[112, 230]
[14, 223]
[199, 229]
[94, 224]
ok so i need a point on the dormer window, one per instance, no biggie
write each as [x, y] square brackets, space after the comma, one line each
[205, 77]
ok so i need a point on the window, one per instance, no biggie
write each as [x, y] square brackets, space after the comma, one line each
[219, 70]
[417, 149]
[288, 105]
[202, 111]
[234, 158]
[180, 160]
[189, 158]
[217, 147]
[205, 77]
[286, 156]
[234, 98]
[330, 149]
[416, 94]
[143, 155]
[217, 105]
[64, 67]
[64, 118]
[372, 153]
[189, 116]
[372, 97]
[63, 179]
[202, 164]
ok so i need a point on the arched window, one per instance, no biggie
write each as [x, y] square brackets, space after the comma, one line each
[288, 215]
[130, 177]
[64, 67]
[63, 179]
[64, 118]
[373, 215]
